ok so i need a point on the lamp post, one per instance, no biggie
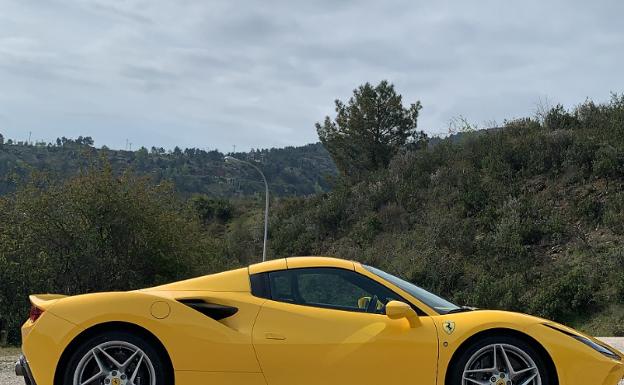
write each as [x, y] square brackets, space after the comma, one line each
[230, 159]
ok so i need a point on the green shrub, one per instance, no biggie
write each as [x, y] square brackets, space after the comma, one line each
[565, 295]
[94, 232]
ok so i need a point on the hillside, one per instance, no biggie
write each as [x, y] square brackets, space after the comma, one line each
[529, 217]
[290, 171]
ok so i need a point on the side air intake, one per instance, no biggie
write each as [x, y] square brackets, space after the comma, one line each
[215, 311]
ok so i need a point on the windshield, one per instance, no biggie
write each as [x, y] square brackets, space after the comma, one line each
[440, 305]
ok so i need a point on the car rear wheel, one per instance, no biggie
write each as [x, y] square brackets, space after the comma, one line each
[500, 360]
[115, 358]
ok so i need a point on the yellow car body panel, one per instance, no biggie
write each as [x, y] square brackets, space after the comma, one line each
[187, 335]
[576, 364]
[276, 264]
[277, 343]
[327, 346]
[230, 281]
[44, 344]
[300, 262]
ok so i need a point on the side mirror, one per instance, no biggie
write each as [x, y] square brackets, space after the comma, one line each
[399, 310]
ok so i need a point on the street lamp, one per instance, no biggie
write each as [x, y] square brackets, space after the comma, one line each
[230, 159]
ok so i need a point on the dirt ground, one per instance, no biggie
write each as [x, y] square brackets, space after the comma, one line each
[9, 356]
[7, 365]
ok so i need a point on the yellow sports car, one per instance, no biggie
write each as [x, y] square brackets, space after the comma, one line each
[299, 321]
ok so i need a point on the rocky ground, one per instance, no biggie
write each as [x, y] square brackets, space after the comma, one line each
[7, 365]
[9, 356]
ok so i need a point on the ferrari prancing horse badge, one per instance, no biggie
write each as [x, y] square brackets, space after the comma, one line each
[449, 327]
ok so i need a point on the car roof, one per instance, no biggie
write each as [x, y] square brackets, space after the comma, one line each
[318, 261]
[301, 262]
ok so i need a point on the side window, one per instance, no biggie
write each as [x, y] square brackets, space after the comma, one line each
[330, 288]
[282, 286]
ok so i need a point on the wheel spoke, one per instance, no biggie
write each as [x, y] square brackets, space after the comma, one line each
[495, 357]
[95, 377]
[127, 363]
[485, 370]
[510, 369]
[478, 382]
[99, 362]
[136, 370]
[102, 370]
[109, 357]
[523, 371]
[528, 380]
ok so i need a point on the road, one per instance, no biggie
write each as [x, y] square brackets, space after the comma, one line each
[9, 356]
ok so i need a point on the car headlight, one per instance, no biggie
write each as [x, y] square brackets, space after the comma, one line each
[596, 346]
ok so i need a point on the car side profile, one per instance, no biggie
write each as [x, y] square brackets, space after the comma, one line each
[299, 321]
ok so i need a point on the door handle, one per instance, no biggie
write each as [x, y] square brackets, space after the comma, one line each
[274, 336]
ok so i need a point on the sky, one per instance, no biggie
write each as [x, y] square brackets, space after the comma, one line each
[257, 74]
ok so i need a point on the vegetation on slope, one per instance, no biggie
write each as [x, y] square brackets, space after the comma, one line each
[291, 170]
[528, 217]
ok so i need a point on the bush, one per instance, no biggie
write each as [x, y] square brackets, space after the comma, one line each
[506, 218]
[94, 232]
[565, 296]
[560, 119]
[609, 162]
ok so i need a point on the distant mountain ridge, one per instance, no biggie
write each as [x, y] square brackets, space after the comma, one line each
[290, 171]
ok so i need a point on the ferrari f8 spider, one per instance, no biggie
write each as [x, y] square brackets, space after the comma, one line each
[299, 321]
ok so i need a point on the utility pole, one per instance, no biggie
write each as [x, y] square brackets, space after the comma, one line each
[230, 159]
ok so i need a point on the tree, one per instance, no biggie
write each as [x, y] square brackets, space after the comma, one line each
[210, 210]
[85, 141]
[94, 232]
[368, 130]
[560, 119]
[1, 140]
[142, 153]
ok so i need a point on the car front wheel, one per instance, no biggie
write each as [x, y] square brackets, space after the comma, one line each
[500, 360]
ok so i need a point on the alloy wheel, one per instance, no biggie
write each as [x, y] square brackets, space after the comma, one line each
[501, 364]
[115, 363]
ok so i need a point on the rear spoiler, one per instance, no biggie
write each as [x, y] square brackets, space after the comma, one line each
[44, 301]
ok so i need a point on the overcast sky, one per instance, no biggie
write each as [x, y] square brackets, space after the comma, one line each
[255, 74]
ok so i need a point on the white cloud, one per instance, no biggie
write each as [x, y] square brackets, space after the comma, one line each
[260, 74]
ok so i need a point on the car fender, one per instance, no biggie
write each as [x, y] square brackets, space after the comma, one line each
[455, 329]
[186, 334]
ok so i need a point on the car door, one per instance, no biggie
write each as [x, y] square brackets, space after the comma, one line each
[320, 327]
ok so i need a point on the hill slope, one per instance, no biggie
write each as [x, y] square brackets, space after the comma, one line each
[529, 217]
[290, 171]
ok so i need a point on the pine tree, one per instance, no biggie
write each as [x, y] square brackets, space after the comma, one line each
[369, 129]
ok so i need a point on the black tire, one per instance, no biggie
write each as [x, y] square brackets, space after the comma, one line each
[161, 372]
[456, 371]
